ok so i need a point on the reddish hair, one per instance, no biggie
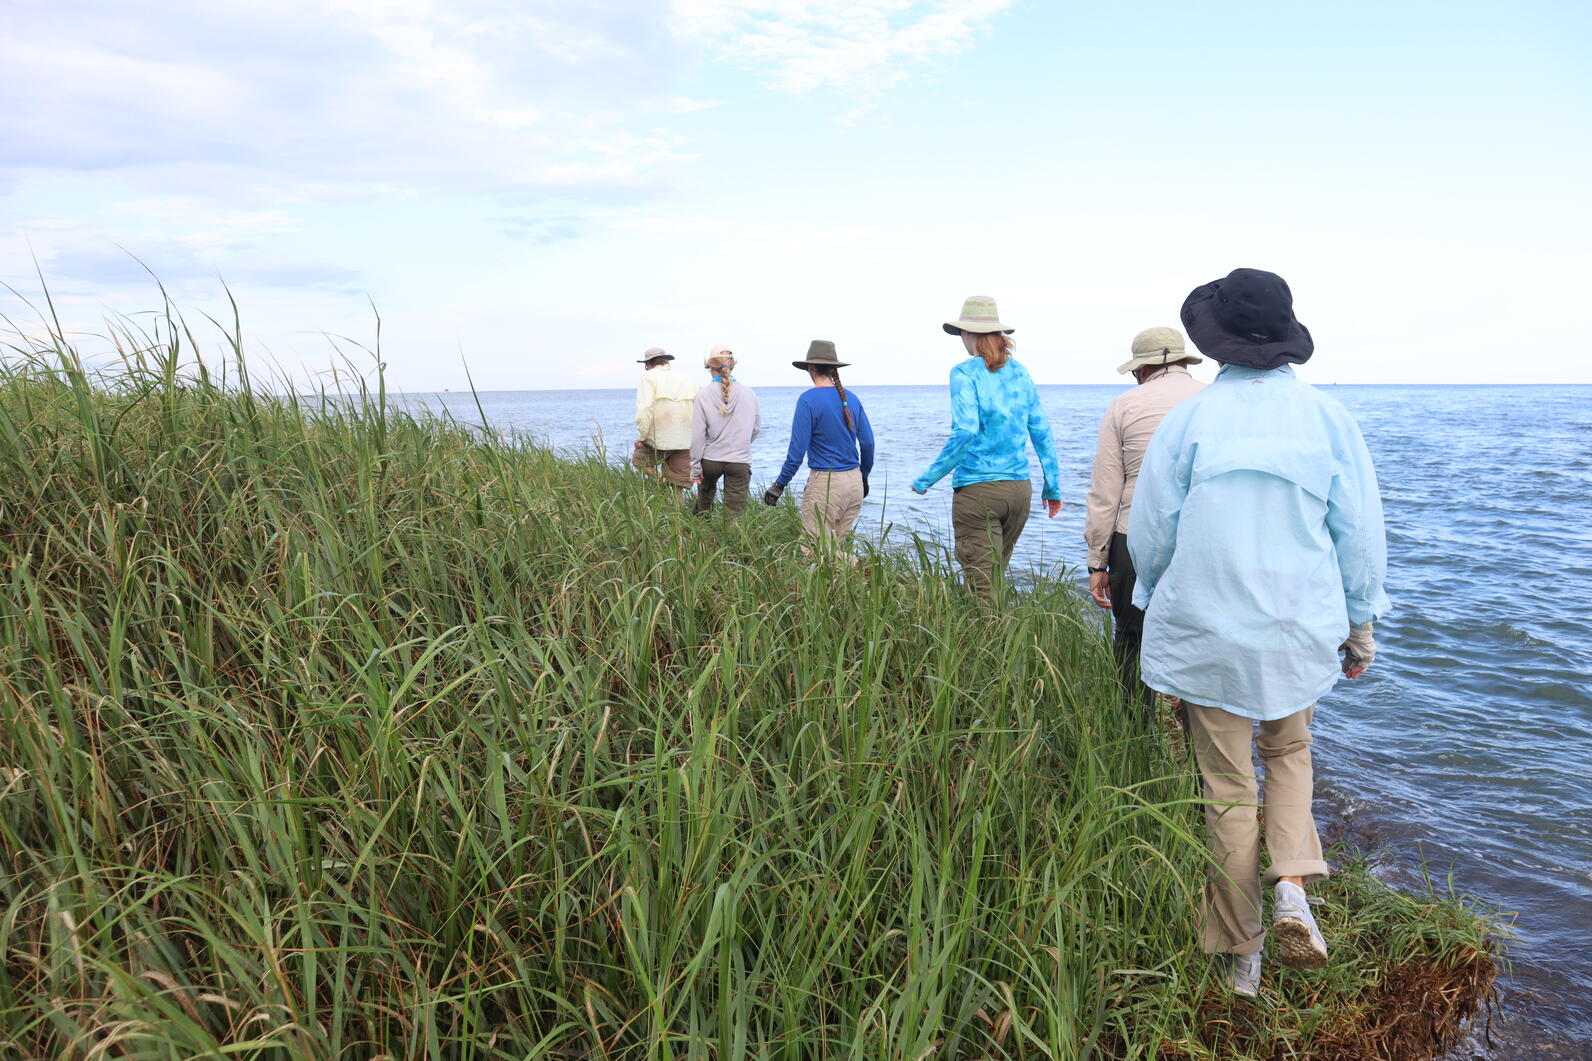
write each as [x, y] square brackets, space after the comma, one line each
[995, 348]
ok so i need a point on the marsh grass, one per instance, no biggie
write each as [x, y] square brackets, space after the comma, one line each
[333, 730]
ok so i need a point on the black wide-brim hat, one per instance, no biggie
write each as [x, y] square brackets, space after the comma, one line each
[820, 354]
[1246, 318]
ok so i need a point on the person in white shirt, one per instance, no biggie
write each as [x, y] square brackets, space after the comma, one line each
[663, 421]
[1160, 368]
[725, 422]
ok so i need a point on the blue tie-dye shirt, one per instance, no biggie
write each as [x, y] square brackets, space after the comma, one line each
[994, 415]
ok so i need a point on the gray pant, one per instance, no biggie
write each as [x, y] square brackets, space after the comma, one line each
[736, 479]
[988, 518]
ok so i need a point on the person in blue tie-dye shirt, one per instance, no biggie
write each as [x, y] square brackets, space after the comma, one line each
[995, 414]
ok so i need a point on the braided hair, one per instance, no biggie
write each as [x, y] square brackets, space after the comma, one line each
[720, 365]
[830, 372]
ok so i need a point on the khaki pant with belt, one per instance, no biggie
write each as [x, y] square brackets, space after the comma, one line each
[1231, 921]
[988, 518]
[831, 503]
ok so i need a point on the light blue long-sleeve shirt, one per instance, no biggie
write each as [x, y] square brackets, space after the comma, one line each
[1257, 539]
[994, 415]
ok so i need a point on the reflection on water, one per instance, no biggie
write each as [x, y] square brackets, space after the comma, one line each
[1464, 749]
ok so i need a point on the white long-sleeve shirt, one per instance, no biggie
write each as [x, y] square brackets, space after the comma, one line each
[663, 408]
[721, 434]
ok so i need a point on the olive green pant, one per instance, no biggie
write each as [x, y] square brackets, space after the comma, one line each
[1223, 746]
[988, 518]
[736, 476]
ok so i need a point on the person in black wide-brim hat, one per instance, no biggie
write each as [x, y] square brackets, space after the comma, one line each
[830, 430]
[1256, 536]
[1246, 318]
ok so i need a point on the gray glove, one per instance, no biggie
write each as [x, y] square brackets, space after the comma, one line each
[771, 496]
[1359, 650]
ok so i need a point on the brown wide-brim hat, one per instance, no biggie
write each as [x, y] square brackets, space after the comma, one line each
[820, 354]
[978, 316]
[654, 353]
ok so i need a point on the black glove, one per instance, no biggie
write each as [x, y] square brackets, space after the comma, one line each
[771, 496]
[864, 486]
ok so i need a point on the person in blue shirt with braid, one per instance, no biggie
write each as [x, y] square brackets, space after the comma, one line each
[995, 413]
[830, 430]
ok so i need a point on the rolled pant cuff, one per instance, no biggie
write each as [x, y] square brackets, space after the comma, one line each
[1311, 869]
[1249, 946]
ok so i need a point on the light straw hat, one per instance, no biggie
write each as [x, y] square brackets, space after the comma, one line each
[979, 316]
[1158, 346]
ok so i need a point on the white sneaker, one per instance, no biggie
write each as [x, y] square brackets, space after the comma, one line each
[1299, 941]
[1243, 973]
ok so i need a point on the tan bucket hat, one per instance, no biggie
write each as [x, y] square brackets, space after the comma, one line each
[1158, 346]
[654, 353]
[978, 316]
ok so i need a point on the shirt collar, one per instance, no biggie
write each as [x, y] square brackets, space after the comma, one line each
[1178, 367]
[1245, 372]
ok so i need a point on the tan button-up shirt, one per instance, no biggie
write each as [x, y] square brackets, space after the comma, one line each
[1125, 432]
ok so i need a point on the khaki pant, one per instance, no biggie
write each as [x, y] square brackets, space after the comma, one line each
[988, 518]
[1231, 921]
[736, 476]
[676, 463]
[831, 502]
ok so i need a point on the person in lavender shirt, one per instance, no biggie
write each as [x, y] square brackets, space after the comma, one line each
[724, 424]
[995, 414]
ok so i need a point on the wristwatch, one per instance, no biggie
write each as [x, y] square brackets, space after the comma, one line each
[1097, 570]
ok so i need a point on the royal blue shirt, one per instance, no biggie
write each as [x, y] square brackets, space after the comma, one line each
[994, 417]
[819, 433]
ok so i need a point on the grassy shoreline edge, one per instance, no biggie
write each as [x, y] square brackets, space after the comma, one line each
[334, 730]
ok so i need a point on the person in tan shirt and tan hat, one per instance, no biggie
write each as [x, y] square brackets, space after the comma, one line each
[1160, 369]
[664, 400]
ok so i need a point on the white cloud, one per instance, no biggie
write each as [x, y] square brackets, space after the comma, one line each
[857, 48]
[218, 126]
[300, 96]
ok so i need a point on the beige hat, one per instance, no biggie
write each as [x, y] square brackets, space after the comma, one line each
[654, 353]
[1158, 346]
[718, 353]
[978, 316]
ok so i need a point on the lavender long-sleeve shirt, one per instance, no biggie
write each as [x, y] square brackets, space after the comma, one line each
[723, 434]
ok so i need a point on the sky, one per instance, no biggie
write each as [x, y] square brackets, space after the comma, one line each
[529, 194]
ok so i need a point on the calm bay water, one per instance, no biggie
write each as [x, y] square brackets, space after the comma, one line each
[1466, 747]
